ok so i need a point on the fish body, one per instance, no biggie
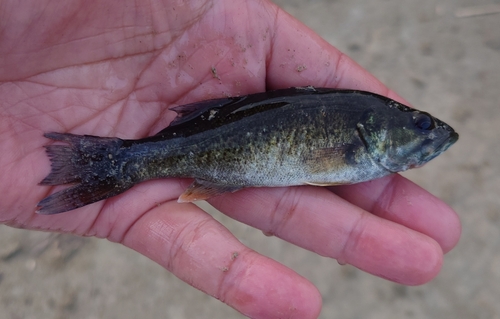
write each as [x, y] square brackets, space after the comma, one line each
[294, 136]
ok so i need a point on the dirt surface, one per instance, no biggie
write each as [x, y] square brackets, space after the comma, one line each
[429, 54]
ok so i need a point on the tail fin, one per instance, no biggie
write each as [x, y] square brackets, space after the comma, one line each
[91, 163]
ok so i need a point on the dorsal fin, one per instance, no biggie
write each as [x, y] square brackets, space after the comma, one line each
[205, 115]
[192, 110]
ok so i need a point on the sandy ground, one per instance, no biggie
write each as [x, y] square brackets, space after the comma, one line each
[440, 62]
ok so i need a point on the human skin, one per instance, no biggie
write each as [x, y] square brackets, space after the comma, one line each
[113, 68]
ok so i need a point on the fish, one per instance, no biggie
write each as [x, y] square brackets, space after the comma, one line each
[287, 137]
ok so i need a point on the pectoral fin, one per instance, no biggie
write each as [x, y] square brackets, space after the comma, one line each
[325, 159]
[201, 189]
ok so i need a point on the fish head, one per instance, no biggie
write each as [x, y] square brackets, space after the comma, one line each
[399, 138]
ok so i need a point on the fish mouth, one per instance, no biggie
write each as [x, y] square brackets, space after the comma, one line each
[435, 147]
[435, 150]
[452, 135]
[452, 138]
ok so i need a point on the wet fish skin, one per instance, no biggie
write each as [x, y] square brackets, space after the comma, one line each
[286, 137]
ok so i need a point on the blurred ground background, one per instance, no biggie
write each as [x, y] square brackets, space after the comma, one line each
[429, 53]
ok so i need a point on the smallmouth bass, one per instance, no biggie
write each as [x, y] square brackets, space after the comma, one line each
[295, 136]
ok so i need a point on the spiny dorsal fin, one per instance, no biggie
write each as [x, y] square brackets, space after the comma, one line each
[192, 110]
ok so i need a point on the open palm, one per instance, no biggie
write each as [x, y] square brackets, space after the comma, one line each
[113, 68]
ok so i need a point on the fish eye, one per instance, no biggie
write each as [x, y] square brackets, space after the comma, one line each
[423, 121]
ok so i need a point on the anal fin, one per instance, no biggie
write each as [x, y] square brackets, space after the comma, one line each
[201, 189]
[324, 184]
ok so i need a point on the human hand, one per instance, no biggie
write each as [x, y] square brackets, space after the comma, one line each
[108, 69]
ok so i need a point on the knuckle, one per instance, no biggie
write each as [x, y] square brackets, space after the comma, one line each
[285, 209]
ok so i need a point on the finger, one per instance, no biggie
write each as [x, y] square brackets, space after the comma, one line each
[320, 221]
[301, 57]
[397, 199]
[199, 250]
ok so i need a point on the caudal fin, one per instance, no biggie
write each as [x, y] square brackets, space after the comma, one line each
[91, 163]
